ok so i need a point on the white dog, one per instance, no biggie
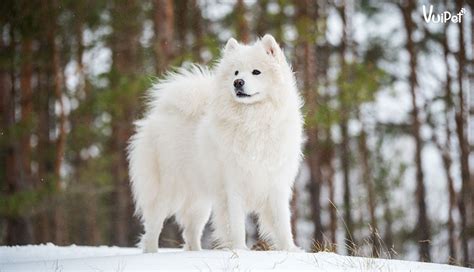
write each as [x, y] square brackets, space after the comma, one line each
[229, 139]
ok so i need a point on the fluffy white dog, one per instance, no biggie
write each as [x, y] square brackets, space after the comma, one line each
[228, 139]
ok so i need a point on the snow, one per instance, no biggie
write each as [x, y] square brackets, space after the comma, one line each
[73, 258]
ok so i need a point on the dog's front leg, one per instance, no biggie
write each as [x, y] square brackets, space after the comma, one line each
[278, 208]
[236, 214]
[229, 222]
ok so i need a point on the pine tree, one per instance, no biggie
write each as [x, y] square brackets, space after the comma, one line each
[423, 227]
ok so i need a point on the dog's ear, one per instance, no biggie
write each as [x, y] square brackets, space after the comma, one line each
[271, 47]
[231, 45]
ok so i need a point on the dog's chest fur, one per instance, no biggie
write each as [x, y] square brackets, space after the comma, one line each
[257, 144]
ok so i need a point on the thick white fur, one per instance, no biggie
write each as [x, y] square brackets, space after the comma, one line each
[201, 146]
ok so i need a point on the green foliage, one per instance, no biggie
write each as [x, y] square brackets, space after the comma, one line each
[369, 7]
[325, 116]
[388, 174]
[359, 82]
[25, 202]
[123, 95]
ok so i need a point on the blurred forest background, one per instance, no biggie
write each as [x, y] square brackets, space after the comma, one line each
[387, 103]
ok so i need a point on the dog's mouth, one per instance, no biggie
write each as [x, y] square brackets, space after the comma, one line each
[242, 94]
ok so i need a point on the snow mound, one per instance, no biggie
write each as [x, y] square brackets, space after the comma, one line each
[73, 258]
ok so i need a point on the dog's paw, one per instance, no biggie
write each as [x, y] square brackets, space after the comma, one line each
[296, 249]
[188, 247]
[150, 249]
[240, 247]
[234, 248]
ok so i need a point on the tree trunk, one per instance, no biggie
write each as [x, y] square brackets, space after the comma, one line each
[279, 23]
[93, 236]
[467, 194]
[369, 183]
[326, 146]
[242, 27]
[332, 207]
[45, 178]
[446, 154]
[42, 227]
[262, 22]
[388, 230]
[182, 25]
[446, 157]
[328, 172]
[345, 140]
[198, 30]
[59, 221]
[423, 225]
[307, 64]
[164, 32]
[26, 103]
[26, 121]
[8, 161]
[125, 52]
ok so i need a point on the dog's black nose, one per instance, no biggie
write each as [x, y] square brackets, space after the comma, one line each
[239, 83]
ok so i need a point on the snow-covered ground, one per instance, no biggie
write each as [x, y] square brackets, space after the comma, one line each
[73, 258]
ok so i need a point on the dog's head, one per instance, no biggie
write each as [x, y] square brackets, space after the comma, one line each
[254, 73]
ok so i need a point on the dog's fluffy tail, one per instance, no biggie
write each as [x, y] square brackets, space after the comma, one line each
[185, 91]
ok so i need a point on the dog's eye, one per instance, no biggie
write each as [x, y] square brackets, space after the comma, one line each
[236, 73]
[256, 72]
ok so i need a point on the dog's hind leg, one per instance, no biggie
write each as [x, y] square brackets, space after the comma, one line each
[153, 222]
[265, 225]
[193, 222]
